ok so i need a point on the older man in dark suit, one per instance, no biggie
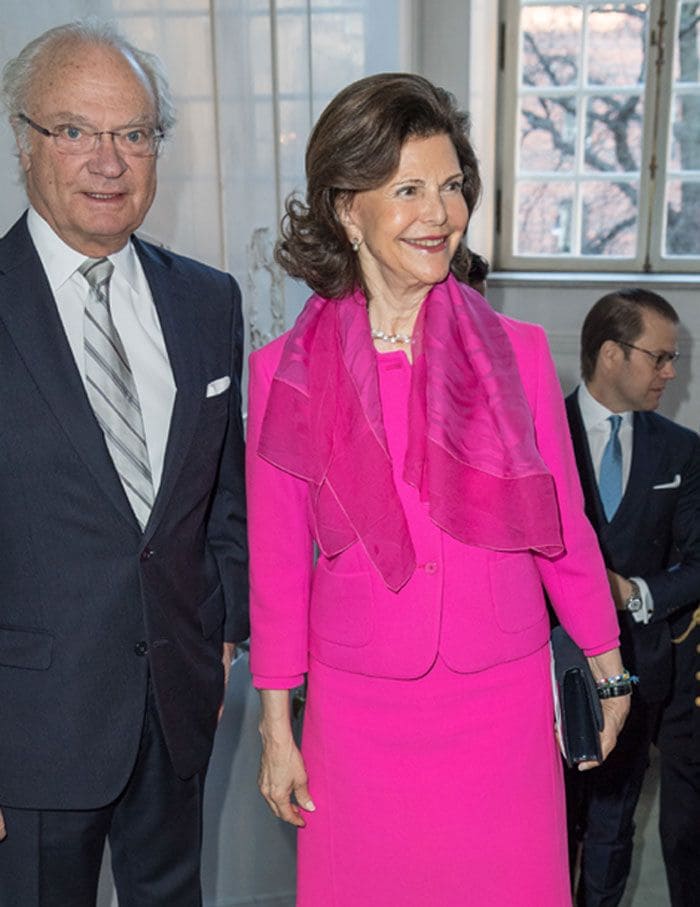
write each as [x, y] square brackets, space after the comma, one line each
[122, 525]
[641, 478]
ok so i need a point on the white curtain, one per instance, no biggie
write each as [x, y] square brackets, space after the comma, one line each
[249, 77]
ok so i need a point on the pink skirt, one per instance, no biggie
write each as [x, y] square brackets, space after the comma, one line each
[436, 792]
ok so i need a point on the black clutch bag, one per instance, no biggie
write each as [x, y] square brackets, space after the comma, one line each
[579, 715]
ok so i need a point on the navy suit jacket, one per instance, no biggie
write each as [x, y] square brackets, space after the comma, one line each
[655, 534]
[91, 606]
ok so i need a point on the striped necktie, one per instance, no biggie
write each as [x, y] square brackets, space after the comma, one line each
[610, 482]
[112, 391]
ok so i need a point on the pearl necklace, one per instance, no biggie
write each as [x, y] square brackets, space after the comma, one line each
[378, 334]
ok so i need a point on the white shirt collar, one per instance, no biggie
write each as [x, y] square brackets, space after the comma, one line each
[594, 414]
[61, 261]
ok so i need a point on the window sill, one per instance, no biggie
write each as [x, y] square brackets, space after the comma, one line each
[596, 279]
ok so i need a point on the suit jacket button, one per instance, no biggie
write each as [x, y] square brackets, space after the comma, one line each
[147, 554]
[141, 647]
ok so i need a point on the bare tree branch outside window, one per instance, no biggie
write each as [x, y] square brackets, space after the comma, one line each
[581, 171]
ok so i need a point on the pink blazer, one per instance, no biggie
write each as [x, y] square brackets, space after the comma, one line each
[474, 606]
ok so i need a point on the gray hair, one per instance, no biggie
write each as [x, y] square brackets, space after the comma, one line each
[19, 73]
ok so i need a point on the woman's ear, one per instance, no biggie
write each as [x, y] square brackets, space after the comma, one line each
[344, 210]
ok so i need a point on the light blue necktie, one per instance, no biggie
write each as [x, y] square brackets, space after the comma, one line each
[610, 483]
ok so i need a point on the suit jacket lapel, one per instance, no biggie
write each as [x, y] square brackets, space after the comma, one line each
[175, 303]
[594, 507]
[647, 448]
[29, 312]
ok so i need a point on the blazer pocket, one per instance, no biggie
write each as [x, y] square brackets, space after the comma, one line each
[21, 647]
[516, 590]
[212, 612]
[341, 606]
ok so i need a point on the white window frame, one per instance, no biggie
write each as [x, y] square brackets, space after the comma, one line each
[652, 180]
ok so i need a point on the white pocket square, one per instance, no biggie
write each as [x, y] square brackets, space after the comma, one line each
[214, 388]
[674, 484]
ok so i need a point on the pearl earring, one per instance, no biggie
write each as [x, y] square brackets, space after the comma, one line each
[356, 243]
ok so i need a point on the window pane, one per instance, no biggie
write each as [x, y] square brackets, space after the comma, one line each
[548, 133]
[609, 219]
[551, 44]
[682, 209]
[685, 64]
[581, 113]
[545, 218]
[616, 42]
[682, 218]
[613, 132]
[684, 152]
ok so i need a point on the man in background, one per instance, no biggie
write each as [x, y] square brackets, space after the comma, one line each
[122, 526]
[641, 479]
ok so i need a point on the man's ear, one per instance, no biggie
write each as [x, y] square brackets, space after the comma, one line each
[24, 157]
[24, 160]
[610, 353]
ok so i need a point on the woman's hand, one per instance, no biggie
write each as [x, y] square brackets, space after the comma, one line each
[282, 777]
[614, 714]
[615, 709]
[282, 781]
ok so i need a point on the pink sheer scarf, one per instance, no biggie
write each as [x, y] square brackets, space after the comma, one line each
[471, 454]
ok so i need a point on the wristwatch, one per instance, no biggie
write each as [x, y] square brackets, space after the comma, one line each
[634, 601]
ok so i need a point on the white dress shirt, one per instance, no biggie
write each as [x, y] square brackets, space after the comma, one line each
[598, 428]
[135, 317]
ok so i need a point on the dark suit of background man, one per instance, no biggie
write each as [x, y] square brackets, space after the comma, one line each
[641, 478]
[122, 528]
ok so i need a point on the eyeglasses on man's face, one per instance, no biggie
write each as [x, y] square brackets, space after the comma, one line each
[134, 141]
[661, 360]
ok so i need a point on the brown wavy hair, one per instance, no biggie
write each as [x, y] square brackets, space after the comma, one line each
[355, 146]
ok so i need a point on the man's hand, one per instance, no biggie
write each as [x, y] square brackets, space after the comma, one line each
[3, 832]
[227, 656]
[621, 589]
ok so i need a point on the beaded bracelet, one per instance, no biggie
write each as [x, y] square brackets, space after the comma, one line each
[625, 677]
[618, 685]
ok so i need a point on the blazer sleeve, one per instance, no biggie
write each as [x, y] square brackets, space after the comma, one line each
[679, 586]
[576, 581]
[281, 551]
[226, 528]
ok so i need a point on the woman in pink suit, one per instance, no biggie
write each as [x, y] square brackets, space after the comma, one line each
[411, 490]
